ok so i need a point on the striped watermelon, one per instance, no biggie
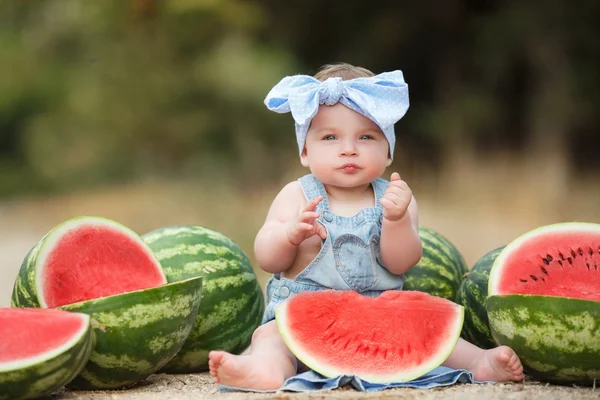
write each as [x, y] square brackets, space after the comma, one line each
[85, 258]
[473, 296]
[137, 333]
[441, 268]
[232, 301]
[544, 301]
[41, 350]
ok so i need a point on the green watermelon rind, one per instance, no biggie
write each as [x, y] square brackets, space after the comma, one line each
[28, 289]
[496, 272]
[441, 268]
[556, 338]
[45, 374]
[472, 294]
[137, 333]
[232, 300]
[307, 359]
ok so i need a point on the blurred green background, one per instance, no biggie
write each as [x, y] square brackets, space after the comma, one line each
[151, 112]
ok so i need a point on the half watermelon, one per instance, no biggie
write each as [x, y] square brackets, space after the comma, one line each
[396, 337]
[544, 301]
[41, 350]
[85, 258]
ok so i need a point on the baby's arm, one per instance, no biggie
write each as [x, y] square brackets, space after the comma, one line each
[400, 242]
[289, 222]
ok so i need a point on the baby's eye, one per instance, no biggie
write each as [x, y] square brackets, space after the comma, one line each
[366, 137]
[329, 137]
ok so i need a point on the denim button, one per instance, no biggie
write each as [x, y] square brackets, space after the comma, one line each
[328, 216]
[284, 291]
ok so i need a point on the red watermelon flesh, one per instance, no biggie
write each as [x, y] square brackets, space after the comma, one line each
[27, 333]
[556, 260]
[396, 337]
[90, 258]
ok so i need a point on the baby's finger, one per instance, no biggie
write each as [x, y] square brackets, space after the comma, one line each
[399, 184]
[396, 193]
[387, 203]
[303, 227]
[308, 216]
[321, 231]
[312, 204]
[395, 177]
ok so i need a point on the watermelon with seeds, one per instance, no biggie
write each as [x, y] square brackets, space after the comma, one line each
[41, 350]
[396, 337]
[99, 267]
[544, 301]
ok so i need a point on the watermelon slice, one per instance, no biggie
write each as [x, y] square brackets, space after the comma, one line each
[544, 301]
[555, 260]
[41, 350]
[85, 258]
[396, 337]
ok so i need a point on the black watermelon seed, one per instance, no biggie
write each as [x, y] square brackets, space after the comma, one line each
[533, 277]
[549, 257]
[579, 251]
[523, 280]
[560, 262]
[545, 261]
[570, 260]
[544, 270]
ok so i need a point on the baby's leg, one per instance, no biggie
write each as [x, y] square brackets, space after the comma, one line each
[500, 364]
[268, 364]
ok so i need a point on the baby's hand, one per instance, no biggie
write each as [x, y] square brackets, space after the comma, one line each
[396, 198]
[306, 225]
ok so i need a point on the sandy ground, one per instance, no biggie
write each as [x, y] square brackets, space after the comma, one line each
[199, 386]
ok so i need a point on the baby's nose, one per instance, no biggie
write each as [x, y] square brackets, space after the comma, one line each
[348, 147]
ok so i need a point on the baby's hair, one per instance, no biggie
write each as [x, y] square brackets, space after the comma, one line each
[342, 70]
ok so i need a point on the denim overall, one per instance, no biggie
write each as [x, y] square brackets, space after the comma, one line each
[350, 257]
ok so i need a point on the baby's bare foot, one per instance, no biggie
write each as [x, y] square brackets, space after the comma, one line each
[500, 364]
[243, 371]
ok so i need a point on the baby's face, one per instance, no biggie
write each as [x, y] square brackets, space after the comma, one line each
[344, 148]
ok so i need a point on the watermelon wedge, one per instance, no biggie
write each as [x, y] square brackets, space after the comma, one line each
[85, 258]
[137, 333]
[396, 337]
[41, 350]
[544, 301]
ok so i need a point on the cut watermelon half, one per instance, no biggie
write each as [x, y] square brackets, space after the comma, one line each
[561, 260]
[41, 350]
[396, 337]
[85, 258]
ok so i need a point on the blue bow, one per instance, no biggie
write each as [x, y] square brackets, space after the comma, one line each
[382, 98]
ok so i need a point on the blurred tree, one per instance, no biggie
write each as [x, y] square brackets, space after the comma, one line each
[97, 92]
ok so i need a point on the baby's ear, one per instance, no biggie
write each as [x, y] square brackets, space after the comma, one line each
[389, 161]
[304, 158]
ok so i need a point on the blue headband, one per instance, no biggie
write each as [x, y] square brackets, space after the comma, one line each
[382, 98]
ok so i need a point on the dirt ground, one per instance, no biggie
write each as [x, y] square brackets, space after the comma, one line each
[200, 386]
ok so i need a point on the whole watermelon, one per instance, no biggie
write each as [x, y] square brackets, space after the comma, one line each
[232, 301]
[472, 295]
[441, 268]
